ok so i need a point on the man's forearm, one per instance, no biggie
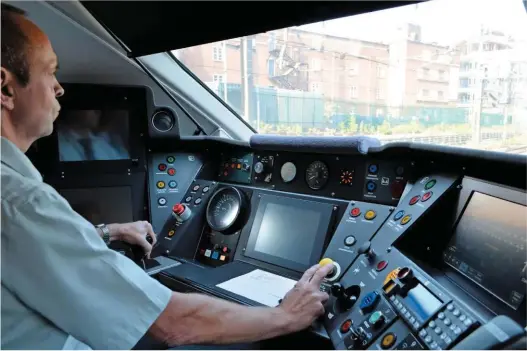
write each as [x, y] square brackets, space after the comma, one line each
[199, 319]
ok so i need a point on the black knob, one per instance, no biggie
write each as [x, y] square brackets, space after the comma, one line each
[337, 290]
[405, 274]
[354, 335]
[366, 249]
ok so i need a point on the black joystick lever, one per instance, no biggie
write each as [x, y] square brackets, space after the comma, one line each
[346, 298]
[367, 250]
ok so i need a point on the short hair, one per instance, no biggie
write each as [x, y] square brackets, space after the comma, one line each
[14, 44]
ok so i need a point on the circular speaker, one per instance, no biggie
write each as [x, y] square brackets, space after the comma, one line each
[163, 121]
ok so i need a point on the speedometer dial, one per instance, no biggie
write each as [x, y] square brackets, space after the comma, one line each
[224, 209]
[317, 175]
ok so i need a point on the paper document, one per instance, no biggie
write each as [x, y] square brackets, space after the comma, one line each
[260, 286]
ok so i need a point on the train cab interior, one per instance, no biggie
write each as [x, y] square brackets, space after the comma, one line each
[261, 138]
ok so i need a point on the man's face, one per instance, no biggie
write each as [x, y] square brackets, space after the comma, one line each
[34, 107]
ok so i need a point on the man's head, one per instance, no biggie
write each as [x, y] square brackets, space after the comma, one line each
[29, 86]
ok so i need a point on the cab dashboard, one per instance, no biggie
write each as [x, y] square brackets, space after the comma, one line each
[428, 243]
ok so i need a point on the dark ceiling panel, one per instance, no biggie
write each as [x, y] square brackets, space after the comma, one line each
[148, 27]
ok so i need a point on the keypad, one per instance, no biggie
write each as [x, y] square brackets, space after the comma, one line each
[405, 313]
[448, 326]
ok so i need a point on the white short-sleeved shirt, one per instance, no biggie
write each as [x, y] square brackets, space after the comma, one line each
[62, 288]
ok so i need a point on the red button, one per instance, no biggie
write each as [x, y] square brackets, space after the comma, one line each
[225, 249]
[162, 167]
[345, 326]
[178, 209]
[355, 212]
[171, 171]
[414, 200]
[381, 265]
[426, 196]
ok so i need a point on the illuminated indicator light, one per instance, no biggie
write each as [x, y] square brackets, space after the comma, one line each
[406, 219]
[370, 215]
[171, 159]
[171, 171]
[355, 212]
[430, 184]
[225, 249]
[171, 233]
[222, 258]
[233, 165]
[381, 265]
[345, 326]
[414, 199]
[426, 196]
[239, 166]
[225, 173]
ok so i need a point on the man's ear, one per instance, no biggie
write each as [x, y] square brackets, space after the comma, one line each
[8, 92]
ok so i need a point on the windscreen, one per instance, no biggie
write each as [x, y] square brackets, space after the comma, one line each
[449, 72]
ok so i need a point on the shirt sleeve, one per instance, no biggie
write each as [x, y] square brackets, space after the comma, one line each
[56, 263]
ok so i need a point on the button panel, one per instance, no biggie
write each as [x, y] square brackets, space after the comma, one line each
[448, 326]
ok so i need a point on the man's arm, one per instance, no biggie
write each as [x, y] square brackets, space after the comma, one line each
[199, 319]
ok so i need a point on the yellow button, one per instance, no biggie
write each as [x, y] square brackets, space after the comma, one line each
[391, 275]
[161, 184]
[388, 340]
[325, 261]
[406, 219]
[370, 215]
[172, 232]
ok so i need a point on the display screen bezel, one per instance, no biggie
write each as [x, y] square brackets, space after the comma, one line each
[326, 212]
[497, 305]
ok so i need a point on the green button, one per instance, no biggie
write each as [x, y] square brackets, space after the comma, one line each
[430, 184]
[375, 317]
[171, 159]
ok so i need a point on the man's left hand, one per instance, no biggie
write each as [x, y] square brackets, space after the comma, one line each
[134, 233]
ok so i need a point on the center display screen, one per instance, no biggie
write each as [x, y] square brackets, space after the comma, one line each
[488, 247]
[93, 135]
[289, 232]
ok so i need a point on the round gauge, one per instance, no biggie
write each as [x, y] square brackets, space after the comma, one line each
[317, 175]
[224, 209]
[288, 172]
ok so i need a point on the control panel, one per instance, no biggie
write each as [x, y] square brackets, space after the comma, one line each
[170, 175]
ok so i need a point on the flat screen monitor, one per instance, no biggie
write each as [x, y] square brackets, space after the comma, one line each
[488, 247]
[101, 204]
[93, 135]
[288, 232]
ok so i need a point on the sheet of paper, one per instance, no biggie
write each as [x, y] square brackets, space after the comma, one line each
[260, 286]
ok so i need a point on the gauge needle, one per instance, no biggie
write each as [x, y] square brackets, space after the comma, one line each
[312, 177]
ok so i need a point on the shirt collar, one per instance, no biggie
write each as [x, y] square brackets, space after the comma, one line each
[15, 159]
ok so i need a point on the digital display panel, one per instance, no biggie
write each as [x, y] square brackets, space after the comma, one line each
[101, 205]
[289, 232]
[93, 135]
[488, 247]
[421, 302]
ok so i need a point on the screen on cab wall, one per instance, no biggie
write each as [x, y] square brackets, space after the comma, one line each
[93, 135]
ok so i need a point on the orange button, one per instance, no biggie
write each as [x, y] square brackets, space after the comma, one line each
[171, 233]
[222, 258]
[406, 219]
[370, 214]
[391, 275]
[388, 340]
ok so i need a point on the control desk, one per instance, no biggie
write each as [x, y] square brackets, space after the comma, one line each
[428, 245]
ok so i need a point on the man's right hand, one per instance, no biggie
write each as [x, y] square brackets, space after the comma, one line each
[305, 302]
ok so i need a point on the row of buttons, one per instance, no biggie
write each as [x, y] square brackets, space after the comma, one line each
[374, 169]
[404, 312]
[215, 255]
[163, 167]
[196, 188]
[446, 328]
[369, 215]
[171, 184]
[188, 199]
[426, 197]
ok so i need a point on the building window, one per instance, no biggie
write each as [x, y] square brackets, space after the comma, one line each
[217, 52]
[354, 92]
[380, 71]
[425, 93]
[426, 73]
[379, 94]
[220, 78]
[440, 95]
[352, 68]
[315, 87]
[270, 67]
[379, 112]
